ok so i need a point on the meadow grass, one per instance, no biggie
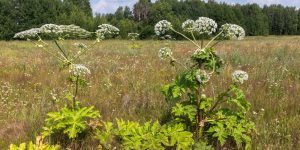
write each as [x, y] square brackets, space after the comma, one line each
[125, 83]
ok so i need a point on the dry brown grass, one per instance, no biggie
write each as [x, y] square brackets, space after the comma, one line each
[126, 84]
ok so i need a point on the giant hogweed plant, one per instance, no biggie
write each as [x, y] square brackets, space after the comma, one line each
[133, 37]
[69, 125]
[219, 119]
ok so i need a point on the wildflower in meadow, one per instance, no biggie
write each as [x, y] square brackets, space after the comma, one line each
[204, 25]
[188, 25]
[133, 36]
[233, 31]
[165, 53]
[79, 70]
[107, 29]
[162, 27]
[240, 76]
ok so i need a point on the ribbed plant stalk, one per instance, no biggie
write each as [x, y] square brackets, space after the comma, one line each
[75, 92]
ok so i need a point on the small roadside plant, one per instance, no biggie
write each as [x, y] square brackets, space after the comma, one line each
[217, 119]
[133, 37]
[68, 126]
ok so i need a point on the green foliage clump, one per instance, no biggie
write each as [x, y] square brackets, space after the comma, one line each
[132, 135]
[31, 146]
[71, 122]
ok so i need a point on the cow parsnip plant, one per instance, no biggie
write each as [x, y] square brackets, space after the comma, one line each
[218, 119]
[69, 125]
[133, 37]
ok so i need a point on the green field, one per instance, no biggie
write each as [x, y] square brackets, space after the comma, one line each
[125, 83]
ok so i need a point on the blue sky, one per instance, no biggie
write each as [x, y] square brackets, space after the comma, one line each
[109, 6]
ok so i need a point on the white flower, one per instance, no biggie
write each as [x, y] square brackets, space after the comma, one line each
[205, 25]
[107, 30]
[79, 70]
[74, 31]
[202, 76]
[165, 53]
[233, 31]
[54, 30]
[162, 27]
[239, 76]
[188, 25]
[133, 36]
[31, 33]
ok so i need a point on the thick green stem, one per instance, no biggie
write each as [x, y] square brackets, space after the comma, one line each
[199, 117]
[192, 33]
[186, 37]
[62, 51]
[216, 43]
[75, 93]
[214, 38]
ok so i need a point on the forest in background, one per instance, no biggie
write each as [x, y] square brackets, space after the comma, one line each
[19, 15]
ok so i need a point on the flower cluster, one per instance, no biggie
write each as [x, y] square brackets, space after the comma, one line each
[107, 30]
[79, 70]
[165, 53]
[51, 29]
[205, 25]
[188, 25]
[31, 33]
[202, 77]
[54, 31]
[162, 27]
[233, 31]
[75, 31]
[133, 36]
[239, 76]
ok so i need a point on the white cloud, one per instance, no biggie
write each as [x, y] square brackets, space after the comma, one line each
[110, 6]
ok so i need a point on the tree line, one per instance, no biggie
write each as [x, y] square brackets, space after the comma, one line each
[18, 15]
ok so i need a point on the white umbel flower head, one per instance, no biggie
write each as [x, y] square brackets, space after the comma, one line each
[107, 30]
[165, 53]
[202, 77]
[31, 33]
[205, 25]
[54, 31]
[51, 29]
[239, 76]
[79, 70]
[233, 31]
[133, 36]
[74, 31]
[188, 25]
[162, 27]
